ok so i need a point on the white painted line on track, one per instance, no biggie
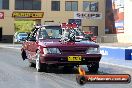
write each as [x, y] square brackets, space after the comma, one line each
[10, 47]
[124, 66]
[112, 47]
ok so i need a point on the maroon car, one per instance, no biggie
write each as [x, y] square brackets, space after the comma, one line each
[43, 48]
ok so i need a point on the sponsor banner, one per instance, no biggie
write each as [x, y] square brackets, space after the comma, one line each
[87, 15]
[111, 52]
[1, 15]
[119, 24]
[27, 14]
[120, 30]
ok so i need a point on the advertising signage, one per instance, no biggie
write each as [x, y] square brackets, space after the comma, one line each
[87, 15]
[27, 14]
[1, 15]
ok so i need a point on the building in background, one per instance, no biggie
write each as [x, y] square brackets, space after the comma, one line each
[114, 20]
[109, 20]
[114, 17]
[118, 16]
[89, 14]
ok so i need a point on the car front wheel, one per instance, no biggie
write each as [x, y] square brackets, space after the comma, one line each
[31, 64]
[23, 54]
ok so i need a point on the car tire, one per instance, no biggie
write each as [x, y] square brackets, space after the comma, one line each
[45, 67]
[94, 67]
[32, 64]
[81, 79]
[23, 54]
[68, 67]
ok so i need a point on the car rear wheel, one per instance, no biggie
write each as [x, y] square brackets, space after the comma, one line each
[93, 68]
[23, 54]
[68, 67]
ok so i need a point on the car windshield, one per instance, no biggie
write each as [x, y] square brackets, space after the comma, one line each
[50, 32]
[79, 33]
[76, 31]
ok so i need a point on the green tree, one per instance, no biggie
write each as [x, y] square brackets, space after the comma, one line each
[23, 26]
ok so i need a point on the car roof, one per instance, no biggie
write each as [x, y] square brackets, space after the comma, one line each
[49, 25]
[45, 25]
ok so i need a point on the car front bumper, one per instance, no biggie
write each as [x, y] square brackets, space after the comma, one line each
[61, 59]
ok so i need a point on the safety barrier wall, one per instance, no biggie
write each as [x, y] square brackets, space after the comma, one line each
[116, 53]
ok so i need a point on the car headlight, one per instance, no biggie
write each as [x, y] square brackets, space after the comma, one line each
[92, 50]
[51, 51]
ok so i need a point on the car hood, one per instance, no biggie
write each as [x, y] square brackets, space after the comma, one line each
[56, 43]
